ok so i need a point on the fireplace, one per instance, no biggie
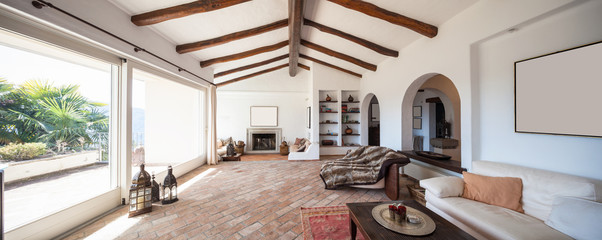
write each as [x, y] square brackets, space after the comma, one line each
[263, 140]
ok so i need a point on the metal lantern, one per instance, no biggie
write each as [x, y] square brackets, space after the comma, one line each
[140, 193]
[170, 188]
[156, 195]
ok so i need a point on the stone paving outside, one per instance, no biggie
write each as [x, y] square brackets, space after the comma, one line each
[28, 200]
[233, 200]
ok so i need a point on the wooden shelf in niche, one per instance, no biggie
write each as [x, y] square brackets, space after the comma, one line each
[350, 102]
[329, 123]
[334, 134]
[353, 134]
[351, 123]
[350, 112]
[328, 101]
[329, 112]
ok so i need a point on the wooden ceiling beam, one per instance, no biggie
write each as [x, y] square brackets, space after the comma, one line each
[251, 75]
[338, 55]
[295, 21]
[370, 45]
[183, 10]
[303, 66]
[244, 54]
[330, 65]
[191, 47]
[398, 19]
[254, 65]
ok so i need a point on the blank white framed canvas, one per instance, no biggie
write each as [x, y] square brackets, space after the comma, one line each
[559, 93]
[264, 116]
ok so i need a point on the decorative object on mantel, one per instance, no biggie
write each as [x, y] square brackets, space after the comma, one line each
[140, 193]
[155, 193]
[328, 98]
[348, 130]
[170, 187]
[230, 150]
[350, 99]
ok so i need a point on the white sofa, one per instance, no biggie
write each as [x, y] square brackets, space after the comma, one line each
[310, 152]
[540, 191]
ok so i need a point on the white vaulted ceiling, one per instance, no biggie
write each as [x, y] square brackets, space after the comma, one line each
[252, 14]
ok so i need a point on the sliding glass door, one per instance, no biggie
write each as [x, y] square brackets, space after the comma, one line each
[55, 120]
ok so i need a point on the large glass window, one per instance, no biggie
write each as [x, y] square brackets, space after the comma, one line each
[55, 114]
[166, 122]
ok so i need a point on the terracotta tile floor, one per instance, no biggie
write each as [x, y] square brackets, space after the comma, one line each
[234, 200]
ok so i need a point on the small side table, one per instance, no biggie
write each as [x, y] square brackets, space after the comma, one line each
[232, 158]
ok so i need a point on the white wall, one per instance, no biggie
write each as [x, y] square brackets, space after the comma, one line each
[277, 88]
[496, 139]
[455, 54]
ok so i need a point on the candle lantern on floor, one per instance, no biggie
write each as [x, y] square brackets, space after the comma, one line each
[170, 188]
[140, 193]
[156, 195]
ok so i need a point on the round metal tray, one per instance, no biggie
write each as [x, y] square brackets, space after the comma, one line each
[425, 227]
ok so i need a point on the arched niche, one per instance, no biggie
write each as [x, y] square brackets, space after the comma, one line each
[370, 120]
[442, 87]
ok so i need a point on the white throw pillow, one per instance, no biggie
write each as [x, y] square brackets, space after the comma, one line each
[444, 186]
[576, 217]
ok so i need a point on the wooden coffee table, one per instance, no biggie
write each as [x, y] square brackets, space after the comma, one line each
[360, 216]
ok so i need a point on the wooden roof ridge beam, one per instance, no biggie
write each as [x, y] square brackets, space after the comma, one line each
[254, 65]
[251, 75]
[303, 66]
[182, 10]
[295, 22]
[338, 55]
[395, 18]
[245, 54]
[370, 45]
[330, 65]
[195, 46]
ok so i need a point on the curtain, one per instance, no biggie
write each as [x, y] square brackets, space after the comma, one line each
[212, 158]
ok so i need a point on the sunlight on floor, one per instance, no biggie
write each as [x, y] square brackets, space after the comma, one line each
[114, 228]
[195, 179]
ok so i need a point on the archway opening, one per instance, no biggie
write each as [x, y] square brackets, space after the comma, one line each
[374, 122]
[432, 116]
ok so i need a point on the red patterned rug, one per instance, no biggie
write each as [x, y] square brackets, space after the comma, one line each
[324, 223]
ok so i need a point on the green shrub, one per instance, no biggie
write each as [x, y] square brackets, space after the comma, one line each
[22, 151]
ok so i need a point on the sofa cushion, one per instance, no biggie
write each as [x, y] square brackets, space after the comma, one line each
[294, 148]
[494, 222]
[219, 143]
[298, 141]
[444, 186]
[578, 218]
[540, 187]
[499, 191]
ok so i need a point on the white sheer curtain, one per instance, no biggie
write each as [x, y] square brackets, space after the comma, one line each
[212, 158]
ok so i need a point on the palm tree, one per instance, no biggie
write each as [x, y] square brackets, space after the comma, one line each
[58, 116]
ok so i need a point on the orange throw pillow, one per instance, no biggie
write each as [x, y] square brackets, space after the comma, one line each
[499, 191]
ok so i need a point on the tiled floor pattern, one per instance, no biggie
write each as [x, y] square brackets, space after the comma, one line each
[234, 200]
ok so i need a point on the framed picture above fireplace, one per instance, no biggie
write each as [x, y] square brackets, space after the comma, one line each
[264, 116]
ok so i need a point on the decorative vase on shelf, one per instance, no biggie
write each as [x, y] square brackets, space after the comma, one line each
[350, 98]
[328, 98]
[348, 130]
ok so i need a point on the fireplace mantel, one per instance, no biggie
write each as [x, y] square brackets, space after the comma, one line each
[250, 143]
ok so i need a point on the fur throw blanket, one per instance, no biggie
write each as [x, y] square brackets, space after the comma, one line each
[365, 165]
